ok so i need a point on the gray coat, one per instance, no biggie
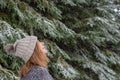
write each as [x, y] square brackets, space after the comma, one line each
[38, 73]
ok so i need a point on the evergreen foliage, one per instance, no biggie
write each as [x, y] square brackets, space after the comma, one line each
[82, 36]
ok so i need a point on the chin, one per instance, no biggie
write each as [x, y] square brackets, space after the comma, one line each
[46, 52]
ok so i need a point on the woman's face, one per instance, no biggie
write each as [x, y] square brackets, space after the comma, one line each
[42, 47]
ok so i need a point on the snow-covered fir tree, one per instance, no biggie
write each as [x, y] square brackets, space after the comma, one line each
[82, 36]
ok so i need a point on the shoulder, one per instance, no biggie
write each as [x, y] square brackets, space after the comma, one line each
[38, 70]
[43, 72]
[36, 73]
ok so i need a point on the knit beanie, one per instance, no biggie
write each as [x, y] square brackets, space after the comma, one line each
[22, 48]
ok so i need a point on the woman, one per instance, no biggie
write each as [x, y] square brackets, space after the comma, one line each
[33, 52]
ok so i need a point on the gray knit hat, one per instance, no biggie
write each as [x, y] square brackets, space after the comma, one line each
[22, 48]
